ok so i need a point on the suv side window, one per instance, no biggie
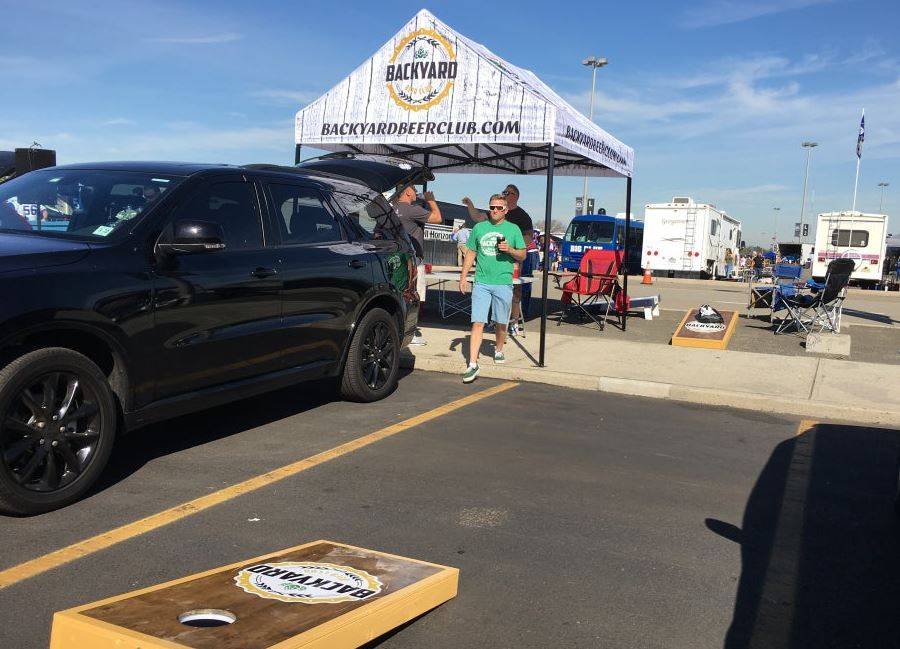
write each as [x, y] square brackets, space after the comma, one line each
[233, 206]
[302, 216]
[373, 216]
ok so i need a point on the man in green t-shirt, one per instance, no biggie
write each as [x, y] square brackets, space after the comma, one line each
[495, 244]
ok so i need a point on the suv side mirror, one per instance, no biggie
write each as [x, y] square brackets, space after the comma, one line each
[188, 237]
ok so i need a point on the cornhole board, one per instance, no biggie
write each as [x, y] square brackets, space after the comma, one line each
[648, 304]
[706, 339]
[317, 595]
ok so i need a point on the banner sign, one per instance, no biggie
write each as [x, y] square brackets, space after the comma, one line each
[438, 232]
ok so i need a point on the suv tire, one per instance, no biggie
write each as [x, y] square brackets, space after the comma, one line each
[58, 421]
[373, 360]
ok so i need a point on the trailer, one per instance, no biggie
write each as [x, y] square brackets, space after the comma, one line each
[851, 235]
[798, 253]
[684, 238]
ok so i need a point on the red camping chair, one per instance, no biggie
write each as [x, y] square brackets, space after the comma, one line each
[597, 279]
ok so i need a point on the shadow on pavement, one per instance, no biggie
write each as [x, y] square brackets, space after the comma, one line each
[820, 544]
[134, 450]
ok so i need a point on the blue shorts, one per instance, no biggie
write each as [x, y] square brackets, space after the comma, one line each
[496, 298]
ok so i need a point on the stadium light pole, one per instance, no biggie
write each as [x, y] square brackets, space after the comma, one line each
[809, 146]
[775, 233]
[594, 63]
[881, 204]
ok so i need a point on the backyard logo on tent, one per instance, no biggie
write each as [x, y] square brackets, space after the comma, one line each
[422, 70]
[309, 583]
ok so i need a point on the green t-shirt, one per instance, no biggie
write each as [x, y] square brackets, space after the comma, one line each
[492, 267]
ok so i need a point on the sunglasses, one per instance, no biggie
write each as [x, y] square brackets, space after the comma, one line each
[498, 207]
[507, 193]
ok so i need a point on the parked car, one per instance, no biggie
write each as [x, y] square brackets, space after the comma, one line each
[177, 287]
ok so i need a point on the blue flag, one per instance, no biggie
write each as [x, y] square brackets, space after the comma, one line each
[862, 135]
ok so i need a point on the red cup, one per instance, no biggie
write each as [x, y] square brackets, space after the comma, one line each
[427, 268]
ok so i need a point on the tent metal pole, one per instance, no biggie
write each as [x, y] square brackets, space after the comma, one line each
[425, 184]
[544, 277]
[297, 153]
[625, 253]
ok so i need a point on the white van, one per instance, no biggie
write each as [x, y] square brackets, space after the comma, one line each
[851, 235]
[688, 239]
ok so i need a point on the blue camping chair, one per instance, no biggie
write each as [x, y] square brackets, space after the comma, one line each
[821, 307]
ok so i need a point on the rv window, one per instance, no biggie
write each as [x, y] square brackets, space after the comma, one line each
[850, 238]
[713, 227]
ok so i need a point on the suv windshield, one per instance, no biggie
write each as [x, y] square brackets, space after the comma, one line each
[79, 203]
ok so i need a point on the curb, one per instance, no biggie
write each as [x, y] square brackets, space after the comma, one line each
[633, 387]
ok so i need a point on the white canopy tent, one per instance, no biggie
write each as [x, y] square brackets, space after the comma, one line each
[432, 95]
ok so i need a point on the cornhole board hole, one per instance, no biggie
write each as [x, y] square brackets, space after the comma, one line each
[317, 595]
[684, 337]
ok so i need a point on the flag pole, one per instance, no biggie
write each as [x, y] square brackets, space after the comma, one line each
[859, 143]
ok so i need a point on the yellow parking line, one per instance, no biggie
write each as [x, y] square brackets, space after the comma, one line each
[130, 530]
[805, 426]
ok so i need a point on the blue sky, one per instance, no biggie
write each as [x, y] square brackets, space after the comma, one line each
[715, 96]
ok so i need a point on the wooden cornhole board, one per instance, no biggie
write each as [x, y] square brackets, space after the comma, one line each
[318, 595]
[707, 339]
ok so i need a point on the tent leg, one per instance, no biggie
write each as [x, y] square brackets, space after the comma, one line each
[547, 212]
[625, 253]
[297, 153]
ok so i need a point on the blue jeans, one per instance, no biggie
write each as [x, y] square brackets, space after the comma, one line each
[496, 298]
[728, 269]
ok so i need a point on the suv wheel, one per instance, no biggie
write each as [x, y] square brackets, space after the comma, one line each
[373, 359]
[58, 420]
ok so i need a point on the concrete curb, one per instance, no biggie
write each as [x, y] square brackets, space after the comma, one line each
[632, 387]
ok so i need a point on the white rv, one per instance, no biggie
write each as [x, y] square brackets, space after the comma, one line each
[851, 235]
[685, 238]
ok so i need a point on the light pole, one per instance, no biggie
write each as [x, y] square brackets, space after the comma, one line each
[775, 233]
[809, 146]
[881, 204]
[594, 63]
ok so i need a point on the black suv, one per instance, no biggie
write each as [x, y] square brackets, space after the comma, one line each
[133, 292]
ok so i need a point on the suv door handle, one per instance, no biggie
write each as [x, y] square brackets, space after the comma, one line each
[263, 273]
[356, 263]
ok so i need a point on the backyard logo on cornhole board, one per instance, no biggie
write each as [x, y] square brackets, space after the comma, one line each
[709, 335]
[309, 583]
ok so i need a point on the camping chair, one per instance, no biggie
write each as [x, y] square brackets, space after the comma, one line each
[824, 307]
[785, 277]
[597, 279]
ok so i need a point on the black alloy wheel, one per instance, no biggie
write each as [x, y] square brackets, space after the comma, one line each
[58, 420]
[50, 431]
[378, 356]
[373, 358]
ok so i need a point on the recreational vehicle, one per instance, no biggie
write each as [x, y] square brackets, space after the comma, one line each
[688, 239]
[851, 235]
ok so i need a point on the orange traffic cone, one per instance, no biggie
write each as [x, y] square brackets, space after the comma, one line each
[648, 278]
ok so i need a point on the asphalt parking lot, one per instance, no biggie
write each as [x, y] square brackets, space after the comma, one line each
[577, 519]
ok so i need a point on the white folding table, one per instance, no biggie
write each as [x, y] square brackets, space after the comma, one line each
[455, 302]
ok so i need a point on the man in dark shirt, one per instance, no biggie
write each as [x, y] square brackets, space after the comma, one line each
[517, 215]
[414, 217]
[521, 218]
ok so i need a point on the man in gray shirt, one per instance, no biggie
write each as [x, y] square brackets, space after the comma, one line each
[414, 217]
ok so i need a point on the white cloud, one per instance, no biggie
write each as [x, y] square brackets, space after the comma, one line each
[725, 12]
[293, 97]
[118, 121]
[225, 37]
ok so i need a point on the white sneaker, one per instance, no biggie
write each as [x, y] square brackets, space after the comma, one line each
[419, 341]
